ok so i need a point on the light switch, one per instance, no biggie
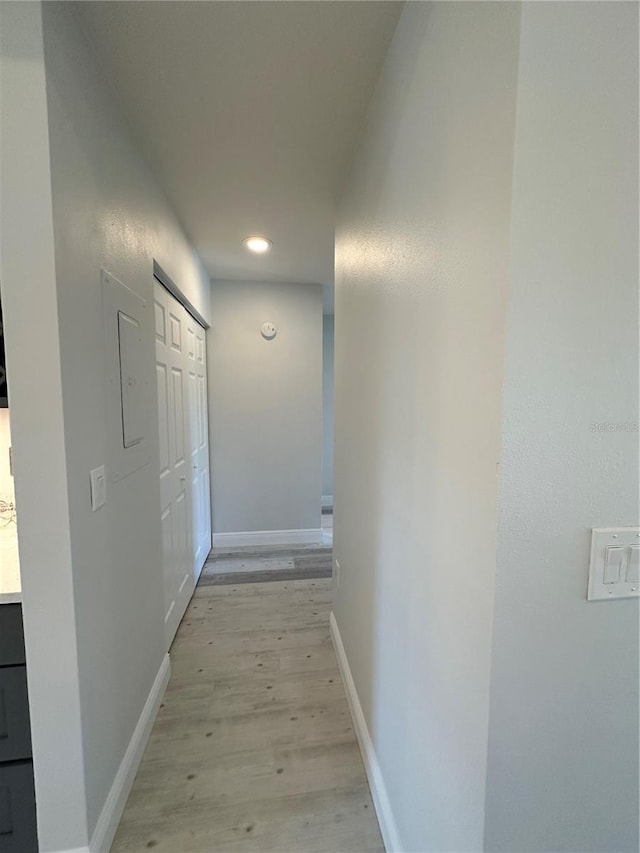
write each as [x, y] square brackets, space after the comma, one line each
[613, 556]
[633, 564]
[98, 488]
[614, 567]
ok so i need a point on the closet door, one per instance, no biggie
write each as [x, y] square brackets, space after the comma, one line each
[176, 510]
[201, 521]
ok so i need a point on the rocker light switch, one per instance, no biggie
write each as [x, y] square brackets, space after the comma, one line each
[98, 488]
[633, 564]
[614, 569]
[613, 556]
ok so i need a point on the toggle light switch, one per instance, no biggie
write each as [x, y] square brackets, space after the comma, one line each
[633, 565]
[613, 556]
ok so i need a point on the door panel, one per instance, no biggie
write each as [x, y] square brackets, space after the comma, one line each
[163, 418]
[160, 317]
[181, 532]
[193, 435]
[193, 413]
[176, 325]
[184, 452]
[178, 416]
[199, 447]
[202, 415]
[176, 507]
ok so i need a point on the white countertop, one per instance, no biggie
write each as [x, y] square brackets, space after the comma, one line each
[10, 588]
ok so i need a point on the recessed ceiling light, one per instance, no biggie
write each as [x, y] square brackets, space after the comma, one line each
[258, 244]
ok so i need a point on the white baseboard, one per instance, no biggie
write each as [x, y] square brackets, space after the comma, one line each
[327, 501]
[111, 813]
[268, 537]
[381, 801]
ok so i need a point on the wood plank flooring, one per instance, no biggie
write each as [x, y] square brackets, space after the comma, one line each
[253, 748]
[257, 565]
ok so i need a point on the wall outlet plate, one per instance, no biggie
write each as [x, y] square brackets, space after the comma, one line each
[614, 568]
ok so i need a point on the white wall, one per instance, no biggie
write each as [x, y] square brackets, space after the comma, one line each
[421, 291]
[33, 365]
[92, 581]
[563, 749]
[265, 407]
[327, 404]
[549, 708]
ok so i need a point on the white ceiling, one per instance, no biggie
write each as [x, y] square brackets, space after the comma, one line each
[248, 113]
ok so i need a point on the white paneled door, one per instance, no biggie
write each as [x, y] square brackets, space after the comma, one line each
[184, 453]
[199, 444]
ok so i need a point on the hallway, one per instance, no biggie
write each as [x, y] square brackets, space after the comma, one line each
[253, 748]
[263, 259]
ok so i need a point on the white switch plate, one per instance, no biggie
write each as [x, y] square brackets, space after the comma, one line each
[98, 487]
[613, 568]
[337, 572]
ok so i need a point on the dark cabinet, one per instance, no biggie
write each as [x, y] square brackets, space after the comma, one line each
[17, 796]
[15, 733]
[17, 809]
[11, 635]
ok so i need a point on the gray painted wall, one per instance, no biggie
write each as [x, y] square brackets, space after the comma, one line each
[327, 405]
[79, 198]
[529, 741]
[265, 407]
[107, 212]
[421, 293]
[563, 746]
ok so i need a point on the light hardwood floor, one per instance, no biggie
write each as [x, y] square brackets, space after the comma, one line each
[278, 562]
[253, 748]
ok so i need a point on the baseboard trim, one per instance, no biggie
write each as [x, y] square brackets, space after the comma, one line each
[268, 537]
[388, 827]
[327, 501]
[109, 819]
